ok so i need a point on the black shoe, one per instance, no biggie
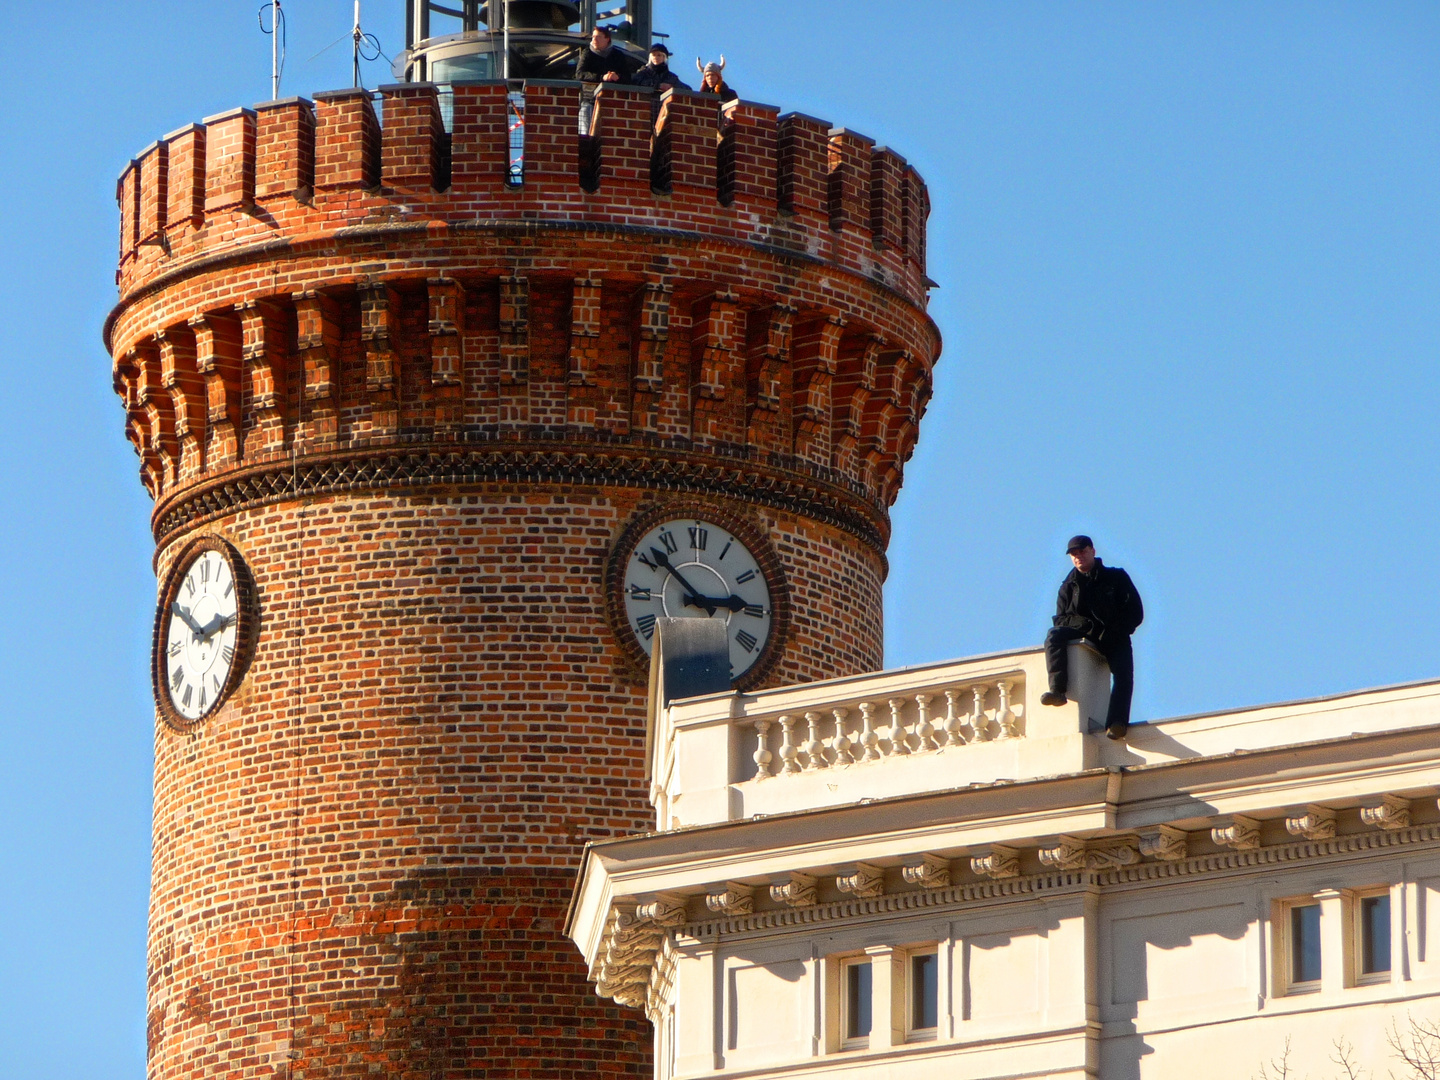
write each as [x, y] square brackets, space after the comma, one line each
[1117, 732]
[1053, 697]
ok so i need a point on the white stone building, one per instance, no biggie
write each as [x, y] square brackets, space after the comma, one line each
[924, 873]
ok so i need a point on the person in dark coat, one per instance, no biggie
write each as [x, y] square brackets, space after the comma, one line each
[602, 61]
[657, 73]
[1101, 604]
[712, 81]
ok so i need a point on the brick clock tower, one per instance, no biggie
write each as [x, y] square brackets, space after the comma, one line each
[441, 404]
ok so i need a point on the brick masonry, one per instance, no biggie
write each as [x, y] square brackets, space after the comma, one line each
[424, 412]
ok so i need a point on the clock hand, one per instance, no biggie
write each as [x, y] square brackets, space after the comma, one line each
[692, 594]
[185, 617]
[219, 622]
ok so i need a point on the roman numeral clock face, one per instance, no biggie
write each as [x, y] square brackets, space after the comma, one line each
[199, 635]
[691, 568]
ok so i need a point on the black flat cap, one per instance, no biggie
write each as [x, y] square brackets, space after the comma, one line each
[1078, 543]
[657, 47]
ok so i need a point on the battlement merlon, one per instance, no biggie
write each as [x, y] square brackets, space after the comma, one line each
[293, 168]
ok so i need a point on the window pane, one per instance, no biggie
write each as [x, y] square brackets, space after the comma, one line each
[1305, 943]
[923, 998]
[1374, 934]
[857, 1001]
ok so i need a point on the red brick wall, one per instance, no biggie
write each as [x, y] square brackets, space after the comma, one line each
[367, 854]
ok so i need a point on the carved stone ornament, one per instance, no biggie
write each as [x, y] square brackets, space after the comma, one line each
[734, 899]
[623, 973]
[867, 881]
[1242, 834]
[932, 873]
[666, 911]
[1317, 823]
[1002, 862]
[1393, 813]
[1068, 854]
[1164, 843]
[1111, 856]
[799, 891]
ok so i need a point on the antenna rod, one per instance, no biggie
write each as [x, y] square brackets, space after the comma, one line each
[506, 16]
[355, 68]
[274, 50]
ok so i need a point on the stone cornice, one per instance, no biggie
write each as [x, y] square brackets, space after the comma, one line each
[1060, 882]
[645, 982]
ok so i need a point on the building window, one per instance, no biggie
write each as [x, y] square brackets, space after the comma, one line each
[1303, 946]
[855, 1023]
[924, 997]
[1372, 937]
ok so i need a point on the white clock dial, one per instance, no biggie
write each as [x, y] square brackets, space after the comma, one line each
[689, 568]
[200, 635]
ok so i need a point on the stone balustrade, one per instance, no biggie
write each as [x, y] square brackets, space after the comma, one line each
[732, 756]
[895, 727]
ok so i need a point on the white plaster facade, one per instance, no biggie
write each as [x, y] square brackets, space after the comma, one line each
[1094, 909]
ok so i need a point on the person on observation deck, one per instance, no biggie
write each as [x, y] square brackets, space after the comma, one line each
[602, 62]
[1099, 604]
[713, 81]
[657, 74]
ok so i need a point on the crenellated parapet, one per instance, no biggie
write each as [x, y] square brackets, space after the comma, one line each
[359, 289]
[293, 169]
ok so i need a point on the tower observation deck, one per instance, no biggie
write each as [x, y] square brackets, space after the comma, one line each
[410, 375]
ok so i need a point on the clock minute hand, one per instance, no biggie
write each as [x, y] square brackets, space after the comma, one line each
[184, 614]
[692, 594]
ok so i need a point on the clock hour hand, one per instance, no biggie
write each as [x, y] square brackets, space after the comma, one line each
[184, 614]
[692, 594]
[219, 622]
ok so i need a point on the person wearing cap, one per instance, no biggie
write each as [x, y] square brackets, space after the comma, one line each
[712, 81]
[602, 61]
[657, 73]
[1100, 604]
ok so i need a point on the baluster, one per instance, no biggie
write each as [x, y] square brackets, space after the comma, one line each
[898, 745]
[868, 738]
[978, 723]
[842, 744]
[814, 748]
[762, 755]
[1006, 716]
[788, 750]
[923, 728]
[953, 720]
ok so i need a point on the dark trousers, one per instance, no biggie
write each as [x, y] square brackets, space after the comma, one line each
[1118, 654]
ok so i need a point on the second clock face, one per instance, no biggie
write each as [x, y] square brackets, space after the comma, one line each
[689, 568]
[200, 635]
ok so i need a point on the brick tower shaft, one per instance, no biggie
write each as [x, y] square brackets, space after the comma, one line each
[422, 404]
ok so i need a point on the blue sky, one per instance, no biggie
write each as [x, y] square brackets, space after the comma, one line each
[1189, 275]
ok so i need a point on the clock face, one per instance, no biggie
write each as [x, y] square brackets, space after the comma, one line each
[199, 634]
[690, 568]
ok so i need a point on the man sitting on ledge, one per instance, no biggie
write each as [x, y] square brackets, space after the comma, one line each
[1099, 603]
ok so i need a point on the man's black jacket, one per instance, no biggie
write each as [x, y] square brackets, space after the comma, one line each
[592, 67]
[659, 77]
[1103, 604]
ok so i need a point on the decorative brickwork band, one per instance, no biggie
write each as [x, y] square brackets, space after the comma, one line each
[509, 463]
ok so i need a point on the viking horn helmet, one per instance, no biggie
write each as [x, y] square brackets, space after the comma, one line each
[705, 69]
